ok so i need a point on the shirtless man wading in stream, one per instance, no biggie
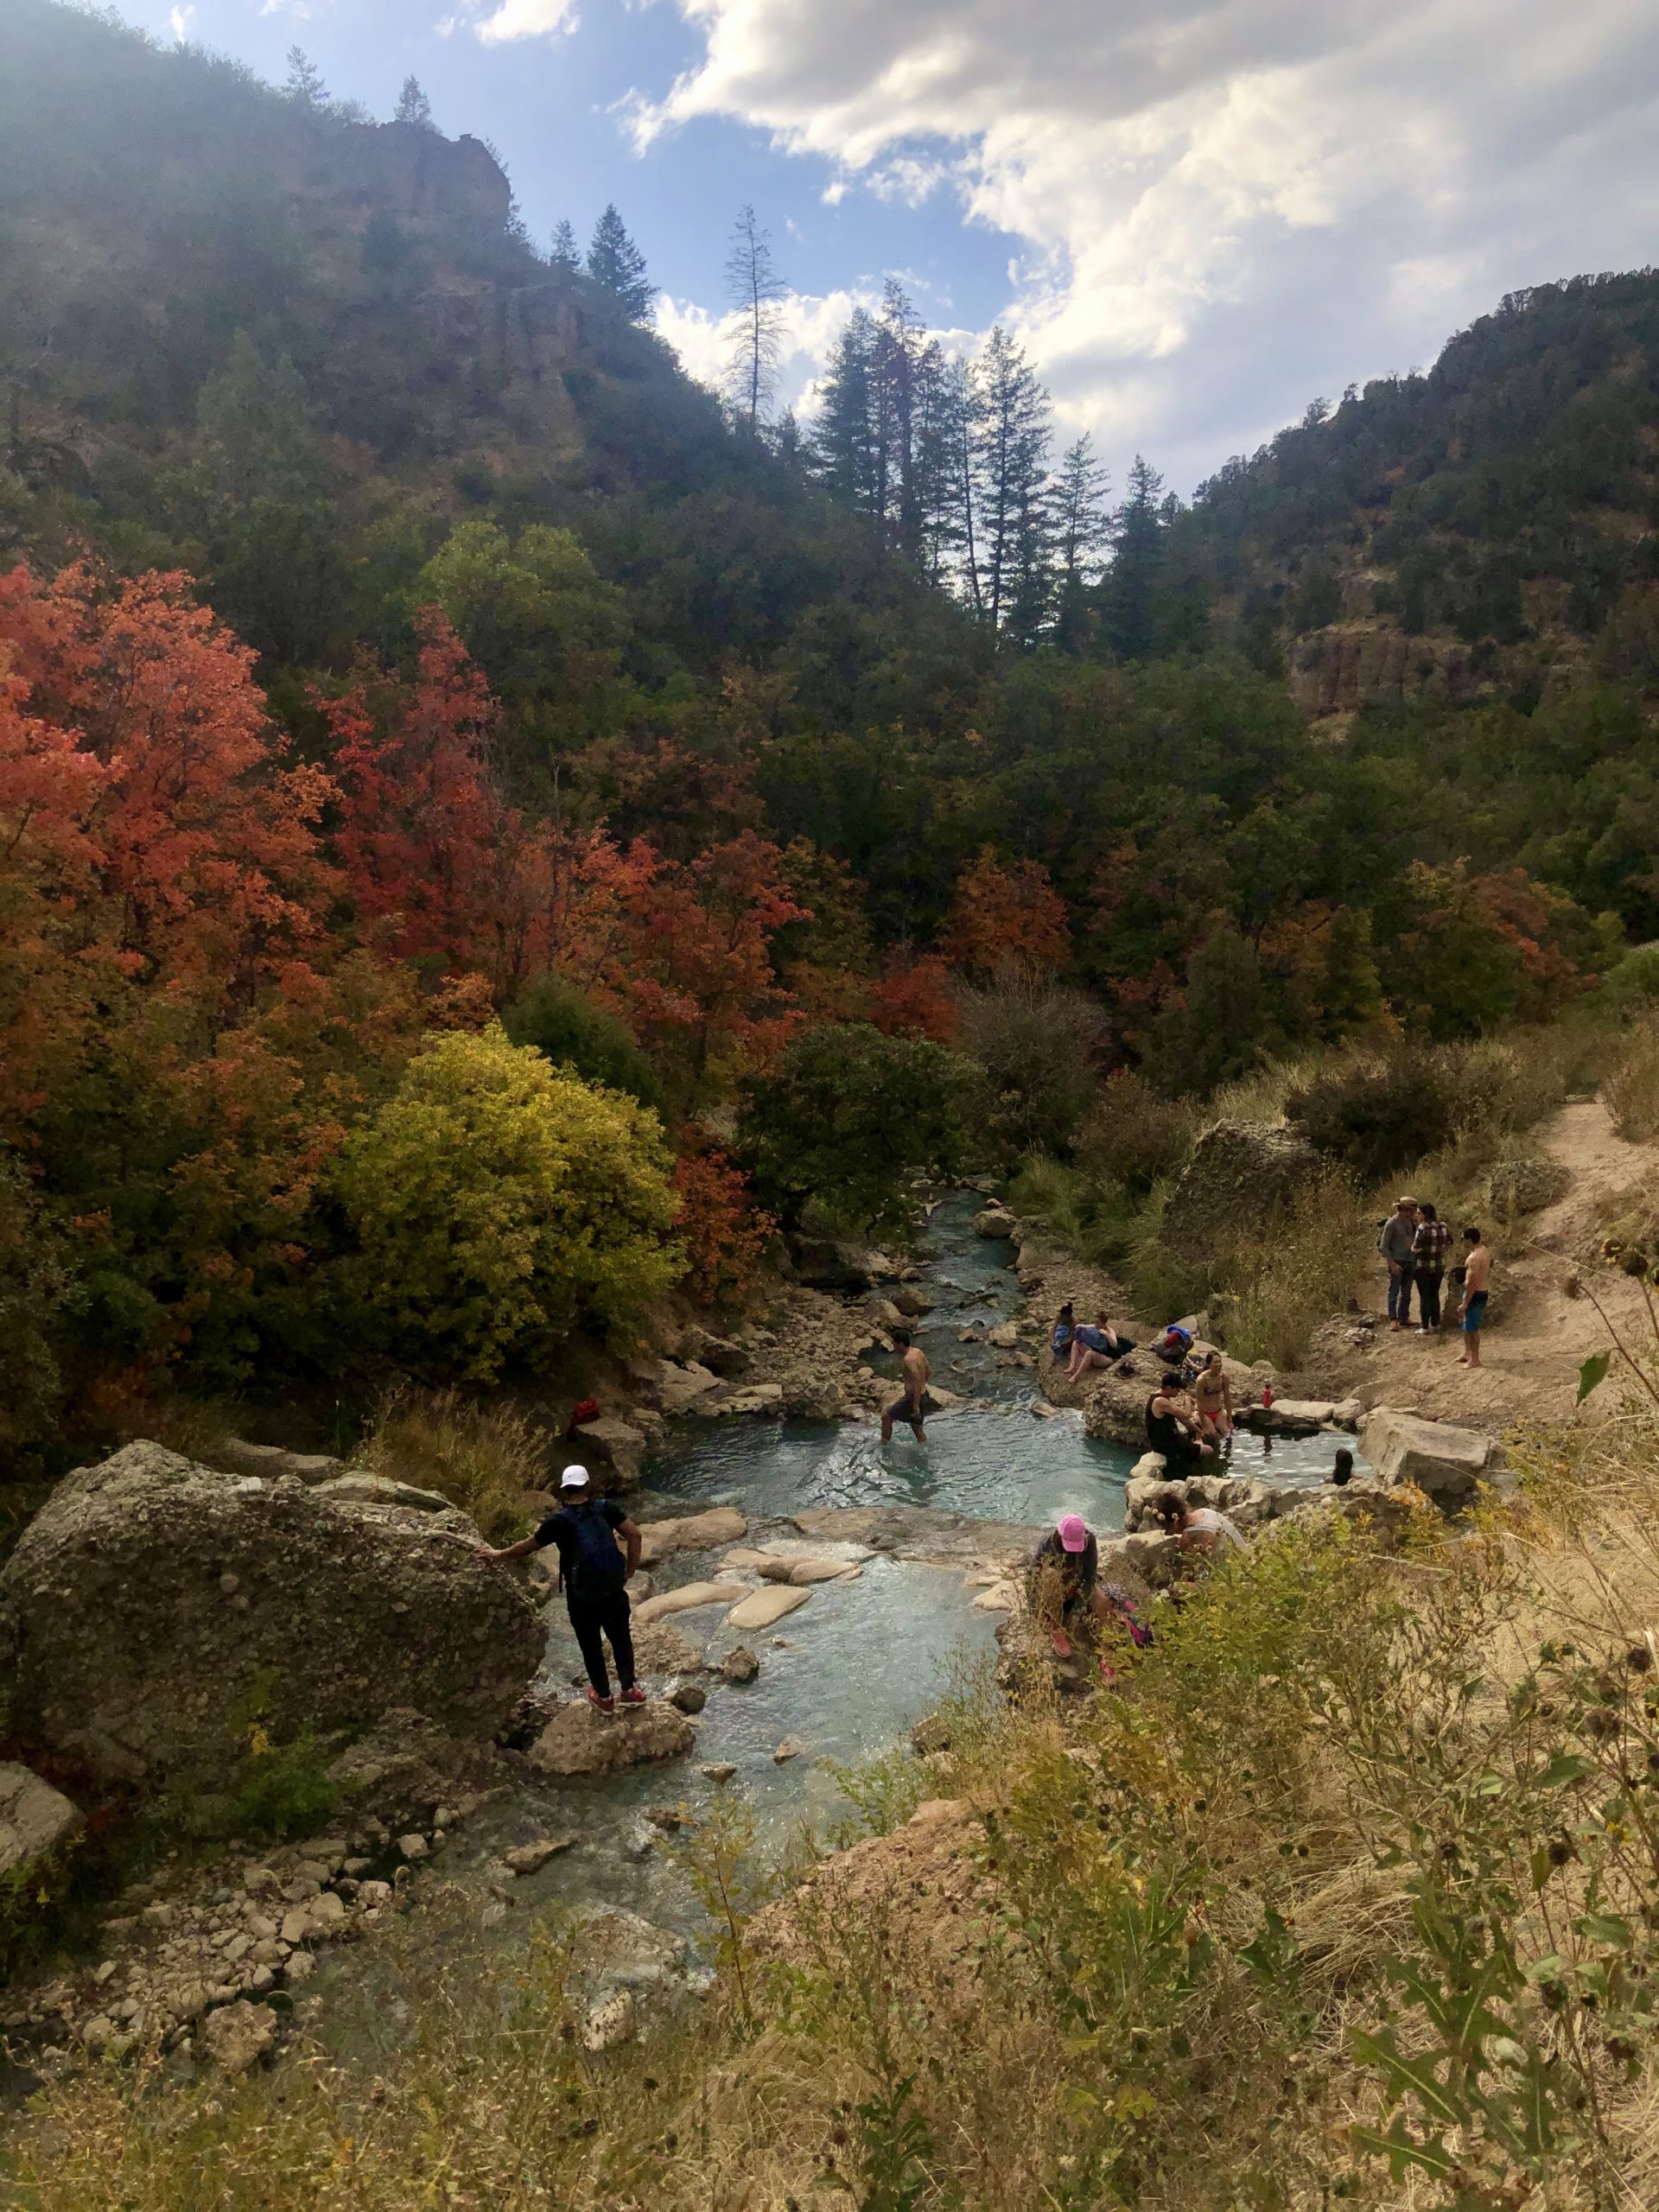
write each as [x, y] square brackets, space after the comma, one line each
[913, 1405]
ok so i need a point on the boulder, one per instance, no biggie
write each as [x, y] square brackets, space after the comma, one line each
[691, 1532]
[912, 1301]
[613, 2020]
[806, 1572]
[682, 1388]
[1005, 1336]
[236, 2037]
[1115, 1408]
[791, 1748]
[822, 1264]
[760, 1608]
[688, 1697]
[34, 1818]
[152, 1604]
[237, 1457]
[580, 1740]
[1288, 1417]
[995, 1221]
[740, 1665]
[611, 1443]
[753, 1398]
[1446, 1464]
[402, 1762]
[688, 1598]
[1239, 1170]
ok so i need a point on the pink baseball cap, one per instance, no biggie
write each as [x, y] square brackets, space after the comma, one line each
[1074, 1537]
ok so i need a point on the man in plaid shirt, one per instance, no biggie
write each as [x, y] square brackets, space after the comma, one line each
[1428, 1265]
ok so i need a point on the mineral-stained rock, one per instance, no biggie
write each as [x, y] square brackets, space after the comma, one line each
[236, 2037]
[579, 1739]
[791, 1748]
[274, 1463]
[912, 1301]
[613, 2020]
[740, 1665]
[760, 1608]
[691, 1532]
[121, 1647]
[530, 1858]
[688, 1697]
[659, 1649]
[688, 1598]
[720, 1772]
[682, 1389]
[1446, 1464]
[33, 1817]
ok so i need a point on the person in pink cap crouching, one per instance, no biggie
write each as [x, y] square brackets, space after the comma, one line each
[1066, 1595]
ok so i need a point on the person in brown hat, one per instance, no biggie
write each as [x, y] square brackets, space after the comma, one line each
[1394, 1241]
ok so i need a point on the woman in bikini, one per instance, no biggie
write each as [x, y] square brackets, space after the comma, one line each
[1212, 1400]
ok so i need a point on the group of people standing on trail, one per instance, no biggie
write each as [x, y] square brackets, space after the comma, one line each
[1414, 1243]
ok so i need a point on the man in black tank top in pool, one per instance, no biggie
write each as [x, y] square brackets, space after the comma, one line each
[1172, 1432]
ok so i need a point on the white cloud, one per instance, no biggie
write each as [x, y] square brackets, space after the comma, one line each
[512, 19]
[179, 22]
[812, 323]
[1223, 205]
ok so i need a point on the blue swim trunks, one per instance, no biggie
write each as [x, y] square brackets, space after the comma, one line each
[1476, 1314]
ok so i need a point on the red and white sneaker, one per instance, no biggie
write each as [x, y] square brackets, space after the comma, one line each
[605, 1704]
[634, 1695]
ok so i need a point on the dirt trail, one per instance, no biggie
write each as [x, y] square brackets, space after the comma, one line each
[1540, 1334]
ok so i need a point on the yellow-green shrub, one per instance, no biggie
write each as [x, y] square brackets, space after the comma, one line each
[499, 1205]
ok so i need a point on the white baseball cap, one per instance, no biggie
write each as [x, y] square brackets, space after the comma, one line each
[574, 1479]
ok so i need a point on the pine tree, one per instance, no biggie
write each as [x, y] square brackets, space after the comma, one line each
[1132, 611]
[756, 292]
[304, 84]
[1011, 447]
[566, 253]
[845, 441]
[1080, 529]
[413, 106]
[616, 265]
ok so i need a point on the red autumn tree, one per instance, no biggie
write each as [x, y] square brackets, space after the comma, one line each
[1007, 917]
[913, 997]
[701, 989]
[724, 1232]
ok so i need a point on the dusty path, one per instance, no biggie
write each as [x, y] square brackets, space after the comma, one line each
[1540, 1334]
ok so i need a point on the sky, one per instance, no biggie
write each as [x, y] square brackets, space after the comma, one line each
[1196, 215]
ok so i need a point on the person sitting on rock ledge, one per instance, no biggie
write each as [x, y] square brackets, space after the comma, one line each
[1065, 1329]
[1343, 1471]
[593, 1575]
[1096, 1343]
[1171, 1430]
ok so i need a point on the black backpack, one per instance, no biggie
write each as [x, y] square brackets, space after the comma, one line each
[597, 1567]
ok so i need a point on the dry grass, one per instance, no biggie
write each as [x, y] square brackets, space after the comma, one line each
[1631, 1088]
[481, 1458]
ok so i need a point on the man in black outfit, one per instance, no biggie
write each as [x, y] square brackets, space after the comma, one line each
[593, 1575]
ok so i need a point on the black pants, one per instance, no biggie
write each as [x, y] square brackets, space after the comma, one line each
[1428, 1294]
[593, 1619]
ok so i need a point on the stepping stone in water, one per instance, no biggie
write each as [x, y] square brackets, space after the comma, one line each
[689, 1598]
[760, 1608]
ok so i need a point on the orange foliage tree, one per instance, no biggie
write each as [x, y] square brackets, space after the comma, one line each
[1007, 916]
[724, 1232]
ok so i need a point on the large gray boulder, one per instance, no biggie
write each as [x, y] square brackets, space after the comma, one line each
[1239, 1172]
[156, 1612]
[1446, 1463]
[34, 1819]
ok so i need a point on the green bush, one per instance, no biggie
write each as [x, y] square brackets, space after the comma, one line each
[561, 1022]
[1036, 1042]
[498, 1206]
[1373, 1116]
[848, 1115]
[33, 1283]
[1133, 1135]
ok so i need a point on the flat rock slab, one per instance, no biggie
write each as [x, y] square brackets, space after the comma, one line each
[692, 1532]
[1446, 1464]
[580, 1740]
[33, 1817]
[659, 1649]
[689, 1598]
[921, 1534]
[760, 1608]
[806, 1572]
[360, 1489]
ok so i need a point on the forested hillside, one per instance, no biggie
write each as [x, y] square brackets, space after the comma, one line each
[394, 638]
